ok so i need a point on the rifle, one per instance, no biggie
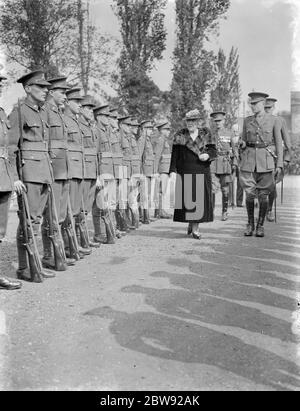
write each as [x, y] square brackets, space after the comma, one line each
[57, 243]
[35, 265]
[71, 233]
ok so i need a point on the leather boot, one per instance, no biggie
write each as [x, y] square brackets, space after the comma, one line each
[141, 214]
[136, 218]
[82, 236]
[128, 218]
[116, 222]
[109, 234]
[263, 206]
[8, 284]
[48, 259]
[121, 223]
[250, 211]
[157, 213]
[224, 207]
[70, 255]
[69, 261]
[270, 216]
[163, 214]
[146, 219]
[98, 235]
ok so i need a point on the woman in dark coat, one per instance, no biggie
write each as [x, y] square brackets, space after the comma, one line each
[193, 151]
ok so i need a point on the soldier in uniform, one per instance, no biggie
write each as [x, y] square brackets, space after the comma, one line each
[136, 168]
[36, 170]
[76, 159]
[89, 136]
[148, 168]
[8, 183]
[58, 150]
[261, 160]
[226, 158]
[121, 183]
[125, 135]
[104, 206]
[162, 152]
[287, 154]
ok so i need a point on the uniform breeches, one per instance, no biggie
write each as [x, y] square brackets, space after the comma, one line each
[224, 180]
[89, 189]
[4, 209]
[147, 192]
[133, 192]
[37, 195]
[60, 190]
[75, 192]
[122, 193]
[257, 183]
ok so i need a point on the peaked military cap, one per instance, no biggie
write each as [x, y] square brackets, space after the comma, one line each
[256, 96]
[102, 109]
[163, 124]
[74, 94]
[218, 115]
[2, 77]
[88, 101]
[36, 77]
[146, 124]
[270, 101]
[126, 119]
[58, 83]
[134, 122]
[113, 112]
[193, 115]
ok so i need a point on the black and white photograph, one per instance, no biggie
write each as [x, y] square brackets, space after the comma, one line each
[149, 198]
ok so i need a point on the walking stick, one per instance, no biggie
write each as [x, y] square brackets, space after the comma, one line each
[275, 209]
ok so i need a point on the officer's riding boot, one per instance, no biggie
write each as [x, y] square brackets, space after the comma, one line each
[8, 284]
[121, 223]
[250, 212]
[270, 215]
[109, 233]
[224, 206]
[146, 219]
[263, 207]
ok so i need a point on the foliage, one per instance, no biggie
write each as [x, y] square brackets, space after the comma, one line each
[143, 35]
[225, 93]
[193, 69]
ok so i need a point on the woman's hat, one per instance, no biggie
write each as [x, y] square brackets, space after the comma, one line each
[193, 115]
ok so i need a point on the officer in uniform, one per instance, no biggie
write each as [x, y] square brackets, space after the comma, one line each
[287, 154]
[86, 119]
[104, 206]
[36, 170]
[58, 150]
[261, 160]
[76, 159]
[8, 183]
[162, 152]
[226, 158]
[148, 168]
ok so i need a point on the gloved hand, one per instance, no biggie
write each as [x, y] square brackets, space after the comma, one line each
[204, 157]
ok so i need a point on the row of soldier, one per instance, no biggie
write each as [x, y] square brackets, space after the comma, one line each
[67, 158]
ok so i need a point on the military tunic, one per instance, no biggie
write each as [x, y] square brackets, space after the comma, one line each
[121, 181]
[226, 156]
[148, 171]
[162, 152]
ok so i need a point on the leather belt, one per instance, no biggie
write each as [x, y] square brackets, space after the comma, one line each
[41, 146]
[59, 144]
[256, 145]
[106, 154]
[74, 147]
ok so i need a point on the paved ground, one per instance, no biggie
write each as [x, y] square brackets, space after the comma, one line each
[161, 311]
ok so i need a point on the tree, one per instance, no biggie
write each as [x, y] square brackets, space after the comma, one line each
[144, 35]
[57, 35]
[193, 66]
[31, 29]
[226, 91]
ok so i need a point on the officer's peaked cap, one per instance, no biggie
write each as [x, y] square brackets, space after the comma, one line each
[270, 101]
[74, 94]
[218, 115]
[58, 83]
[88, 101]
[256, 96]
[101, 109]
[36, 77]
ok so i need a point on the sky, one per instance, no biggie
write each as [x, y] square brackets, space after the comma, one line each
[266, 33]
[260, 29]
